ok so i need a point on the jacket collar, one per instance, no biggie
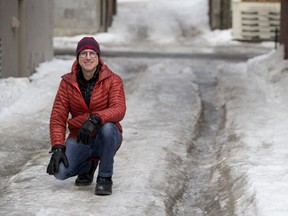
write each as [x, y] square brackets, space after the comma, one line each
[103, 73]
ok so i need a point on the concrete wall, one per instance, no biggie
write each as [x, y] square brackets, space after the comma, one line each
[9, 38]
[37, 32]
[284, 26]
[73, 17]
[26, 32]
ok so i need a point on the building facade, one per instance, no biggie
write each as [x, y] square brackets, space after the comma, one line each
[27, 28]
[26, 36]
[83, 17]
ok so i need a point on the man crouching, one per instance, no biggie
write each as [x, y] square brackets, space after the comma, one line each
[94, 97]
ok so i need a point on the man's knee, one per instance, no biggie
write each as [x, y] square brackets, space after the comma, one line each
[62, 173]
[108, 129]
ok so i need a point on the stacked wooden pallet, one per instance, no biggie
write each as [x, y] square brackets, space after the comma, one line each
[255, 20]
[261, 0]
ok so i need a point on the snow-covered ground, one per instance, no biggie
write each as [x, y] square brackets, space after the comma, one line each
[256, 112]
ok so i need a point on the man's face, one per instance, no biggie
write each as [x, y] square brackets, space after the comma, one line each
[88, 60]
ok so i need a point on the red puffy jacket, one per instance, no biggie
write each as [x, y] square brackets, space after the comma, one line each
[107, 102]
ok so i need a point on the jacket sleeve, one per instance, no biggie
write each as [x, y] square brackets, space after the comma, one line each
[59, 115]
[117, 102]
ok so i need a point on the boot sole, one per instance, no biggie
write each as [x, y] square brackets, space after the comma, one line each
[103, 193]
[82, 184]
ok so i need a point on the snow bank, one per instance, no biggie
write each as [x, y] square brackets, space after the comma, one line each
[257, 110]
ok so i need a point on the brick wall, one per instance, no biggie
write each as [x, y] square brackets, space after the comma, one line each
[284, 26]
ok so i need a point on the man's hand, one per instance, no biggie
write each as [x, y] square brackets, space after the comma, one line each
[58, 156]
[87, 129]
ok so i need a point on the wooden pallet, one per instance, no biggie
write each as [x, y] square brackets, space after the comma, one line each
[255, 21]
[261, 0]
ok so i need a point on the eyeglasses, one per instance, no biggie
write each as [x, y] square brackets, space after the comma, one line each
[84, 54]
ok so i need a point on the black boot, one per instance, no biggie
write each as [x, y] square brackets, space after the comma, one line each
[87, 179]
[103, 186]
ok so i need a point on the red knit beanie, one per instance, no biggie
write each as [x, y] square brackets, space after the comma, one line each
[87, 43]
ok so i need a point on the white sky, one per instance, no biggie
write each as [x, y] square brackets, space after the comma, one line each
[256, 110]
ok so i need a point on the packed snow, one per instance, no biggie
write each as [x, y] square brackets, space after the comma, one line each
[259, 116]
[256, 111]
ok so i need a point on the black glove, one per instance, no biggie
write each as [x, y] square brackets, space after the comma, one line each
[58, 156]
[88, 129]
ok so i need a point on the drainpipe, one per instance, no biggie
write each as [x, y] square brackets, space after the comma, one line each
[22, 38]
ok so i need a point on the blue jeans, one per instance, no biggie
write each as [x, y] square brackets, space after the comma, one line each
[104, 146]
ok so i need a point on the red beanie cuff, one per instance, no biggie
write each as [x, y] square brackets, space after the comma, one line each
[87, 43]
